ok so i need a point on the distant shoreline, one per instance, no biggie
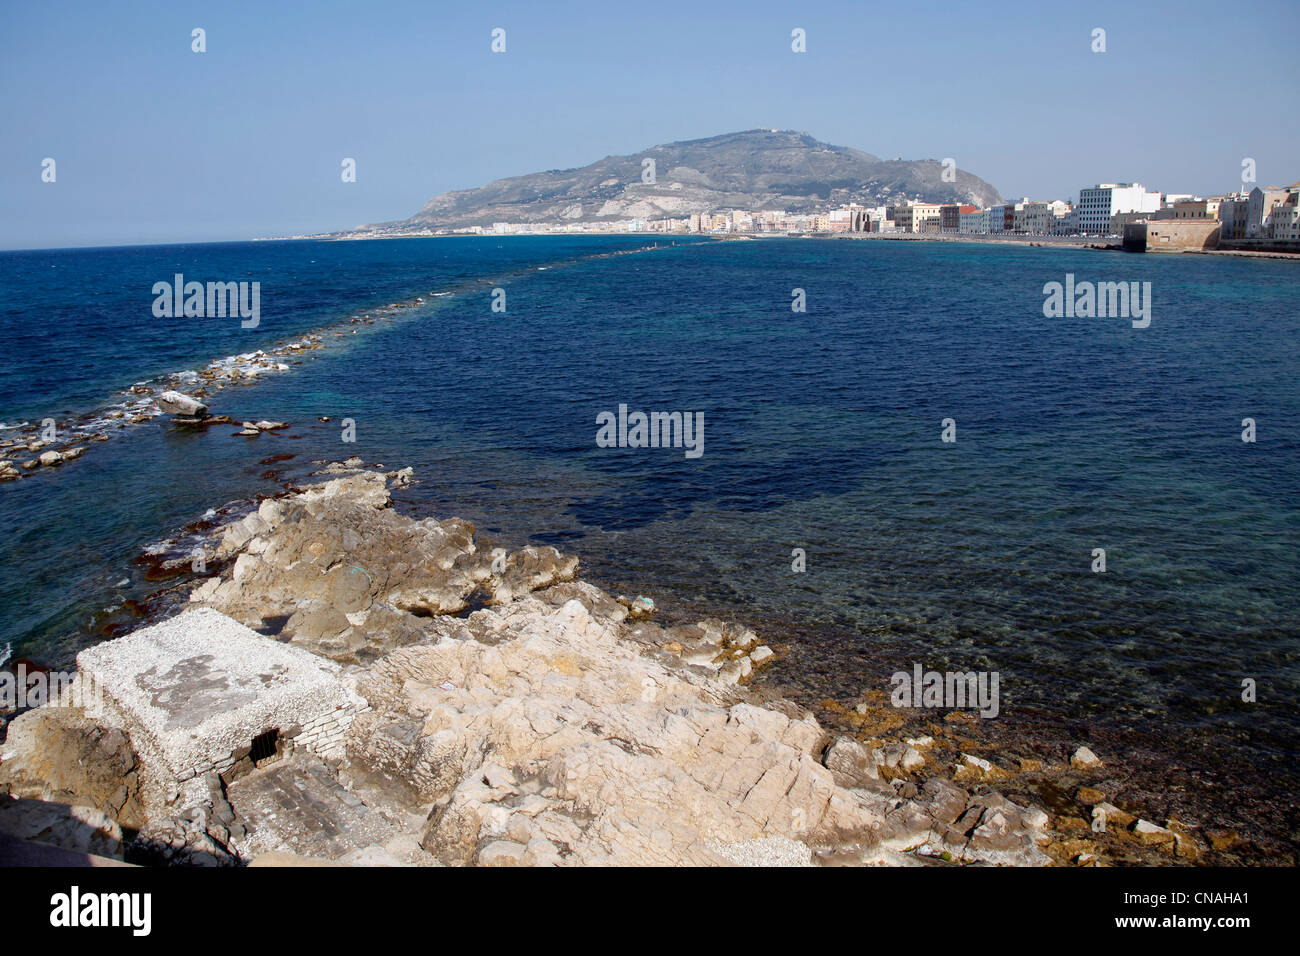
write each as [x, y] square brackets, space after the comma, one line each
[1101, 244]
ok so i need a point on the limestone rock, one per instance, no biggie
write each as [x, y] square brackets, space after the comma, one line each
[1084, 759]
[59, 754]
[1111, 815]
[517, 716]
[1150, 834]
[177, 403]
[850, 763]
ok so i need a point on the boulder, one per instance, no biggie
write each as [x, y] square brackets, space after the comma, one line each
[1150, 834]
[177, 403]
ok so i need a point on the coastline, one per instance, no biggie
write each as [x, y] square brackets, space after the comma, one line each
[1101, 244]
[1062, 242]
[494, 653]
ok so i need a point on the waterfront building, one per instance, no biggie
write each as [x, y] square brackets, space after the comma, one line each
[1259, 206]
[1099, 204]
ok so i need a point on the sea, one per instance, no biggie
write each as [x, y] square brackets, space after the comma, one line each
[826, 509]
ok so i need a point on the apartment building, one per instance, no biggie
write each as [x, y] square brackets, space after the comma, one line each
[1099, 204]
[1259, 207]
[1038, 218]
[915, 217]
[950, 216]
[1284, 219]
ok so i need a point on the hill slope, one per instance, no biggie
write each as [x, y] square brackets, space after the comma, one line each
[754, 169]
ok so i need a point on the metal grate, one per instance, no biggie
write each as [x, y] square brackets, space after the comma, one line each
[264, 746]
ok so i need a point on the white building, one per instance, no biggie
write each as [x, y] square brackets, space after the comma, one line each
[974, 223]
[841, 220]
[1284, 220]
[1098, 204]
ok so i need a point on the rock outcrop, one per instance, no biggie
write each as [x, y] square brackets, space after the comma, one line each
[348, 577]
[61, 755]
[517, 716]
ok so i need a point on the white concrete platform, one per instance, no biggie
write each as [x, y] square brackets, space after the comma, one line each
[195, 690]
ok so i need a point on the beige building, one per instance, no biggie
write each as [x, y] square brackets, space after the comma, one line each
[1194, 209]
[1260, 207]
[915, 217]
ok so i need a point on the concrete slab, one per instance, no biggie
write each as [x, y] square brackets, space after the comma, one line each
[195, 690]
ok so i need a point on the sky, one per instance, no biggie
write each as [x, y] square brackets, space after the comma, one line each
[153, 142]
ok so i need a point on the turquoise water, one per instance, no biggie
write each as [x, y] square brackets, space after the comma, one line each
[822, 432]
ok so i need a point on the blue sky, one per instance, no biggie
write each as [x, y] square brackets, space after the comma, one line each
[155, 143]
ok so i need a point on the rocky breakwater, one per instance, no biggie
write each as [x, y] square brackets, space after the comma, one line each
[520, 716]
[50, 445]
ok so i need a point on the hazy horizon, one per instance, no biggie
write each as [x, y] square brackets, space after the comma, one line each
[155, 143]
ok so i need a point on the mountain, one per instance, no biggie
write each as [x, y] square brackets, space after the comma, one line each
[752, 170]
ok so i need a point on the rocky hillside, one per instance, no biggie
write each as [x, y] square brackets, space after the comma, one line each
[752, 170]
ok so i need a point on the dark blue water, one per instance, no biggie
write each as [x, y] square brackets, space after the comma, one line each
[822, 432]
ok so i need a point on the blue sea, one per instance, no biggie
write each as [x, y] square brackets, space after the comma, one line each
[822, 432]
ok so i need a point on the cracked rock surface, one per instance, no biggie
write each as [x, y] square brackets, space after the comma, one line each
[522, 717]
